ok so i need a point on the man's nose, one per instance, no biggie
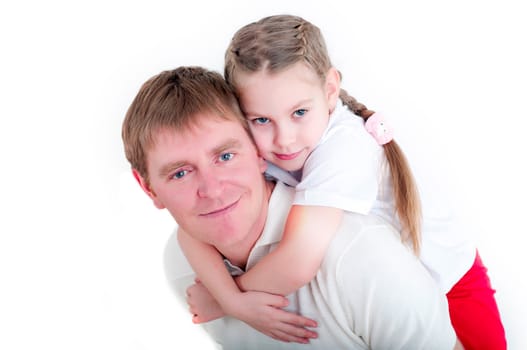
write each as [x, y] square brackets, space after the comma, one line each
[210, 184]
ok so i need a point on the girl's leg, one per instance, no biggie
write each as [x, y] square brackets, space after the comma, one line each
[474, 312]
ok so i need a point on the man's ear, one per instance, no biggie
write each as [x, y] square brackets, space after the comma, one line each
[332, 87]
[146, 188]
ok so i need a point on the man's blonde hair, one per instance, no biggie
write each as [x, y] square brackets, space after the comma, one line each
[172, 100]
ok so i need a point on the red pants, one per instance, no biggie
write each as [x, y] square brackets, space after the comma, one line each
[474, 312]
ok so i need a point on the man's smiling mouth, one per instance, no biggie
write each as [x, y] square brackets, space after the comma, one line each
[221, 211]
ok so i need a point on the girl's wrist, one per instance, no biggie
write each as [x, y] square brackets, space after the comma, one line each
[231, 303]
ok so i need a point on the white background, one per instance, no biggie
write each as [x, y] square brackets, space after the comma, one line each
[81, 246]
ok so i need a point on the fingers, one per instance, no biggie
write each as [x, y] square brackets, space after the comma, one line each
[299, 321]
[296, 325]
[196, 319]
[189, 290]
[278, 335]
[277, 301]
[264, 312]
[292, 327]
[290, 333]
[294, 319]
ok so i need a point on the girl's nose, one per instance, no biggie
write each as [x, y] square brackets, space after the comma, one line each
[285, 135]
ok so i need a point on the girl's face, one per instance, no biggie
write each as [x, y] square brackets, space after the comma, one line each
[287, 111]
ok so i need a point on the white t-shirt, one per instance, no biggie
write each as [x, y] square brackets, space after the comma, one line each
[371, 292]
[349, 170]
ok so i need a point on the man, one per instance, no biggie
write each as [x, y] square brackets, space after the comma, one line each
[191, 152]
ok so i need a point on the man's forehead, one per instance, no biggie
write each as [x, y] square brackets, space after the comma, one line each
[203, 130]
[207, 137]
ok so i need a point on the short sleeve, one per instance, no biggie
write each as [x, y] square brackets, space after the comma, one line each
[343, 171]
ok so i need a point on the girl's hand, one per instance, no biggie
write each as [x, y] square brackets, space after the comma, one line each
[261, 311]
[202, 305]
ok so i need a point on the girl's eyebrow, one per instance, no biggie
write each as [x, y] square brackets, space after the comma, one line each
[301, 103]
[293, 108]
[247, 113]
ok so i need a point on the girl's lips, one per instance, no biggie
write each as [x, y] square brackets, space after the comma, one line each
[287, 156]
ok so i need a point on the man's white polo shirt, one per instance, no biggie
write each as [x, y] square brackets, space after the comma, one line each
[371, 292]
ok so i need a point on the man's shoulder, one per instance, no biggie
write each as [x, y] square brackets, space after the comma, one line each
[368, 238]
[355, 225]
[368, 256]
[283, 195]
[373, 276]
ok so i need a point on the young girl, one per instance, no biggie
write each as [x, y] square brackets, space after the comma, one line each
[340, 157]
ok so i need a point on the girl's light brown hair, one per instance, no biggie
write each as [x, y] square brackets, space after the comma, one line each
[173, 100]
[275, 43]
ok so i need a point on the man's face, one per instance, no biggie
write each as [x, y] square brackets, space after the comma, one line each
[210, 179]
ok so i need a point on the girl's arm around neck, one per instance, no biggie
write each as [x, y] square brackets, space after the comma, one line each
[262, 311]
[209, 267]
[307, 235]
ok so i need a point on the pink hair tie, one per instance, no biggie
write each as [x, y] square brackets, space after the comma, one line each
[381, 131]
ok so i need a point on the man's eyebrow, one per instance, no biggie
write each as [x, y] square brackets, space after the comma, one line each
[230, 143]
[169, 167]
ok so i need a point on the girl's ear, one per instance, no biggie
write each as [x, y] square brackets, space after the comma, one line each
[146, 188]
[332, 87]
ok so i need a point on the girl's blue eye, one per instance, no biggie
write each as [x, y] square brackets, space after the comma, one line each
[300, 112]
[226, 156]
[261, 120]
[179, 174]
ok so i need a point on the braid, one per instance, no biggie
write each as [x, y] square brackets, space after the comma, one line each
[356, 107]
[274, 43]
[302, 38]
[406, 195]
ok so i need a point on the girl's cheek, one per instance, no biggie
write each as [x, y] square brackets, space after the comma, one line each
[262, 145]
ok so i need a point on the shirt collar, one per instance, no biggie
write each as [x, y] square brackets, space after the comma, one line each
[279, 205]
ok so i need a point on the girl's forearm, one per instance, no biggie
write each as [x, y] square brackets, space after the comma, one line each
[209, 267]
[280, 272]
[295, 261]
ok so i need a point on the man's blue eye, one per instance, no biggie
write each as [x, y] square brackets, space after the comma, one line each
[179, 174]
[300, 112]
[226, 156]
[261, 120]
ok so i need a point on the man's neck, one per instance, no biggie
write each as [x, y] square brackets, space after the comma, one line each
[239, 255]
